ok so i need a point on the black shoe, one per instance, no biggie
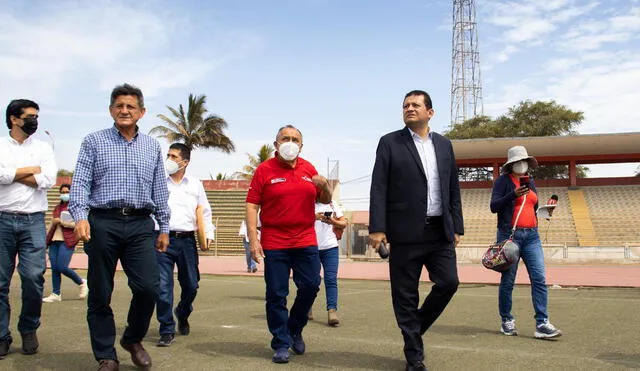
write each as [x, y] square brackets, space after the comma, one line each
[281, 356]
[30, 343]
[5, 346]
[297, 344]
[183, 325]
[166, 340]
[416, 366]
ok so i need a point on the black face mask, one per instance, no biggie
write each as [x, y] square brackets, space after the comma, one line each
[30, 125]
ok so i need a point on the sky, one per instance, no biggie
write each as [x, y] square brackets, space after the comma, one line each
[336, 69]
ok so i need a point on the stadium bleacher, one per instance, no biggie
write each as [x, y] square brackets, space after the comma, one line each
[612, 213]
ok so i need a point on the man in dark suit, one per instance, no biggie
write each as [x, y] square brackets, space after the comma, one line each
[415, 206]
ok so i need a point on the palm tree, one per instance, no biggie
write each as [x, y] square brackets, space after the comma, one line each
[264, 153]
[195, 129]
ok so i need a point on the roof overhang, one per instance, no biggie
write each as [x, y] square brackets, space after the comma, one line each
[589, 148]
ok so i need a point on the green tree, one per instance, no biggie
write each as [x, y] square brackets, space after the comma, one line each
[64, 172]
[195, 128]
[264, 153]
[221, 176]
[527, 119]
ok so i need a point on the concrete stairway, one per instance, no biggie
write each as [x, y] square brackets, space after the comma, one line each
[582, 219]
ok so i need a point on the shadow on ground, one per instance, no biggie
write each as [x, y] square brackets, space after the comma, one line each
[328, 359]
[622, 359]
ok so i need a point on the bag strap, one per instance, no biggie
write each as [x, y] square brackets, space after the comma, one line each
[515, 223]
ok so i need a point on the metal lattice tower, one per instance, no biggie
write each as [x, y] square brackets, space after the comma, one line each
[466, 86]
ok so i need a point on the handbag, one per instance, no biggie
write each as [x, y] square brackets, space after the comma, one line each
[336, 230]
[502, 254]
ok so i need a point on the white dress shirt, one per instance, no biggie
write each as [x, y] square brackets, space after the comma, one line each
[427, 153]
[244, 233]
[324, 232]
[19, 198]
[184, 197]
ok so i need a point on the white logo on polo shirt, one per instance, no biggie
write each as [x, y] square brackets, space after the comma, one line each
[278, 180]
[307, 179]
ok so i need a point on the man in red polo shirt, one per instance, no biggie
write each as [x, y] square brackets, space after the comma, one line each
[284, 189]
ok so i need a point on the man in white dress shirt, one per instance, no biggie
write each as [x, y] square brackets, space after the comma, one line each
[185, 195]
[27, 170]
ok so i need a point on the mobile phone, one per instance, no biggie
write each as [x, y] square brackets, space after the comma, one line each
[524, 181]
[328, 214]
[383, 251]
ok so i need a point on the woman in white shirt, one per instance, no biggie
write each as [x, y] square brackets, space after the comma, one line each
[329, 217]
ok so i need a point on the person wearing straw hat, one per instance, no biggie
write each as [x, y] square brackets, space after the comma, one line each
[515, 200]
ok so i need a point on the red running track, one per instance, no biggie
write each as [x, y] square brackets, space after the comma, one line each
[564, 275]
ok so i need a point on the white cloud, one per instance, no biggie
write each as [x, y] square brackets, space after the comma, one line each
[93, 46]
[629, 22]
[532, 23]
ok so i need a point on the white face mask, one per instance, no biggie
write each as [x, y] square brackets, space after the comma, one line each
[64, 197]
[520, 167]
[171, 166]
[289, 151]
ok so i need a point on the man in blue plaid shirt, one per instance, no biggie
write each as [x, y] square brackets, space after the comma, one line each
[119, 182]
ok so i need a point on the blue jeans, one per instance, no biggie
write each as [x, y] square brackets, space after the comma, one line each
[329, 259]
[278, 264]
[24, 236]
[531, 253]
[60, 256]
[251, 264]
[181, 252]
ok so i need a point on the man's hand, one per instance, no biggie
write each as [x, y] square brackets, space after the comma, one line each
[55, 221]
[206, 246]
[83, 230]
[456, 240]
[375, 239]
[256, 251]
[162, 242]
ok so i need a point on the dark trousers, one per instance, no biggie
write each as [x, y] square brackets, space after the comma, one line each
[183, 254]
[130, 239]
[405, 265]
[278, 265]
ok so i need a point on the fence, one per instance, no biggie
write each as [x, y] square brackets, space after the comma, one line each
[355, 245]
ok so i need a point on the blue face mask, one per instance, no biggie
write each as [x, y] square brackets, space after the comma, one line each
[64, 197]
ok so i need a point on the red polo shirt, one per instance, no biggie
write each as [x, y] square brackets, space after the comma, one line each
[287, 199]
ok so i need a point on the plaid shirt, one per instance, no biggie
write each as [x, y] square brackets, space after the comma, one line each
[112, 172]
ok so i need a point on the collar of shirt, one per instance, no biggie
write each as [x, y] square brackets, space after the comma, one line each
[116, 132]
[415, 135]
[286, 165]
[12, 140]
[185, 180]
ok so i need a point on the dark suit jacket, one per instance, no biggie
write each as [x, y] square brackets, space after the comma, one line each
[398, 199]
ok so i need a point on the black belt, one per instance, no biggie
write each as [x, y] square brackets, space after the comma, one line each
[178, 234]
[123, 211]
[433, 219]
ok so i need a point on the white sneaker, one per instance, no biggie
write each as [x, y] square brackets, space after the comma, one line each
[546, 330]
[509, 327]
[84, 290]
[52, 298]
